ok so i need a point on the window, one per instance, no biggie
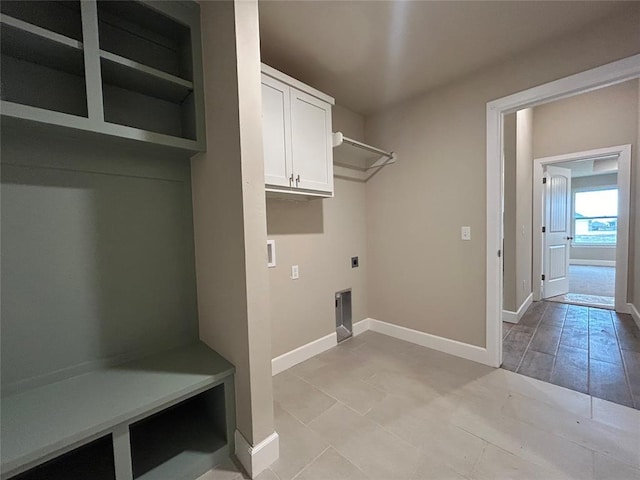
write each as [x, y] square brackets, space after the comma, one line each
[596, 217]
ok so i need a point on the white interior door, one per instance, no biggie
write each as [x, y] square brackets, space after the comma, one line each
[557, 234]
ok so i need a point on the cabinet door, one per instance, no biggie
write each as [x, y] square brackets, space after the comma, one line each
[311, 142]
[276, 128]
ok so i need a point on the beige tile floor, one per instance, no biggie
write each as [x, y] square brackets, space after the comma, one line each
[380, 408]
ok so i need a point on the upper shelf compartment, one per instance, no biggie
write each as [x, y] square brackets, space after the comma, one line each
[36, 61]
[356, 160]
[61, 17]
[128, 69]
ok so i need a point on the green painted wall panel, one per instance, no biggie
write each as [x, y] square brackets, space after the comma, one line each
[97, 258]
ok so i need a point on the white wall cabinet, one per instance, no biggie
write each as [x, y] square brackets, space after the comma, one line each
[298, 151]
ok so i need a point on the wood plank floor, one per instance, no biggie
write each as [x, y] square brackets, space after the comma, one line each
[589, 350]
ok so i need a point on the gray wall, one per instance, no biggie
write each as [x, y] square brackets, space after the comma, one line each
[230, 213]
[524, 210]
[420, 274]
[97, 255]
[636, 260]
[518, 193]
[320, 236]
[509, 300]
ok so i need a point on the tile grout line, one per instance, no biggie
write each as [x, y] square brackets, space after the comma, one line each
[475, 464]
[624, 365]
[535, 330]
[555, 356]
[312, 460]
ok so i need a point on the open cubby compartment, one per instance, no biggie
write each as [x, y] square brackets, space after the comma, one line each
[188, 438]
[141, 33]
[62, 17]
[93, 460]
[124, 106]
[42, 70]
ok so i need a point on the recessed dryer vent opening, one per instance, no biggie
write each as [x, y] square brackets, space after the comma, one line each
[343, 315]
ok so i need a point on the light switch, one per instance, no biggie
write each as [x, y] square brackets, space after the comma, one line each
[465, 233]
[295, 272]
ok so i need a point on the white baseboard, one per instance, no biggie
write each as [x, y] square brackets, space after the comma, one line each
[305, 352]
[361, 327]
[634, 313]
[593, 263]
[514, 317]
[446, 345]
[258, 458]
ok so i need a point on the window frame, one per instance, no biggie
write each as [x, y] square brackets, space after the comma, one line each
[574, 191]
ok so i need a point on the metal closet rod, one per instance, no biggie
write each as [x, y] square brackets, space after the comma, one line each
[342, 139]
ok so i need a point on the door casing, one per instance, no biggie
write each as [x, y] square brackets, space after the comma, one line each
[623, 154]
[593, 79]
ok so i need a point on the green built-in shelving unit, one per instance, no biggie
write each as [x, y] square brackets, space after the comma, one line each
[129, 69]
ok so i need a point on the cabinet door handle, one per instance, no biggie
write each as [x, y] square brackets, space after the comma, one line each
[297, 180]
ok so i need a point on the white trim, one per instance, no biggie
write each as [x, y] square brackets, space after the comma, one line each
[593, 263]
[514, 317]
[258, 458]
[361, 326]
[634, 313]
[623, 153]
[446, 345]
[606, 75]
[305, 352]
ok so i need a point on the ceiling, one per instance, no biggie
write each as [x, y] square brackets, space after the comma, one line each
[592, 167]
[370, 55]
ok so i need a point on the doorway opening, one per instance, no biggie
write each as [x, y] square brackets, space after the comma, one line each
[607, 75]
[581, 216]
[579, 238]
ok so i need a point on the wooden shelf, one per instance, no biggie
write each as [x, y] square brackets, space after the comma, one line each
[125, 73]
[60, 16]
[141, 81]
[95, 457]
[34, 44]
[45, 422]
[140, 32]
[179, 440]
[26, 116]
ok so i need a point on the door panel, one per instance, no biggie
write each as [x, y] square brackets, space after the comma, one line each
[311, 142]
[276, 121]
[558, 231]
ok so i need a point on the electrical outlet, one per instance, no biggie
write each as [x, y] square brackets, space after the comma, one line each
[295, 272]
[354, 262]
[465, 233]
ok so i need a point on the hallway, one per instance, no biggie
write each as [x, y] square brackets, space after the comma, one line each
[590, 350]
